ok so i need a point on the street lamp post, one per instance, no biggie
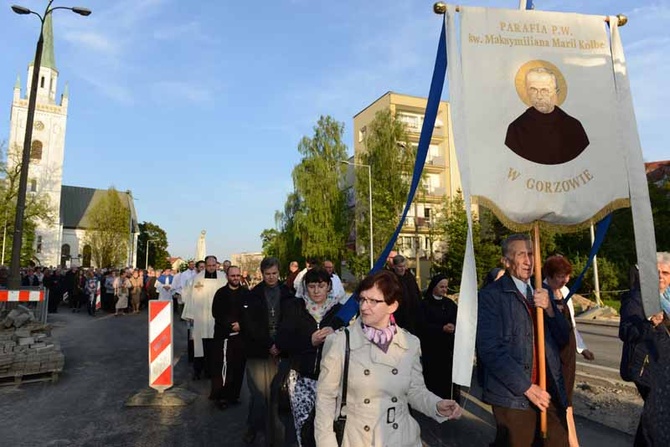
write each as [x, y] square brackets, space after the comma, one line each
[361, 165]
[146, 254]
[14, 280]
[4, 239]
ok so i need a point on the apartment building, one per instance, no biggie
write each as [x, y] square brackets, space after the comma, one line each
[441, 177]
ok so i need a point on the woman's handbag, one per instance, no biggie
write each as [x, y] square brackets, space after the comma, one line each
[340, 422]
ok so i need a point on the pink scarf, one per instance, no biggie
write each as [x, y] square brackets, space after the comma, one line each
[381, 337]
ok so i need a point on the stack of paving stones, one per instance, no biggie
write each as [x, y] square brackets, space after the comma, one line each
[28, 350]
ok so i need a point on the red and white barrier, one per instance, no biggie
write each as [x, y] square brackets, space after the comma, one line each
[98, 302]
[160, 345]
[21, 296]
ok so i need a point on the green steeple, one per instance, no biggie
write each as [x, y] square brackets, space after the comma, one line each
[18, 82]
[48, 58]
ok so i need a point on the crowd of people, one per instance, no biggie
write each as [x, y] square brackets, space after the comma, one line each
[318, 374]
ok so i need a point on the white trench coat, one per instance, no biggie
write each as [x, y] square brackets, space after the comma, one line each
[380, 387]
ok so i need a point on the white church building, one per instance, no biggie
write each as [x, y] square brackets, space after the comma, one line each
[60, 243]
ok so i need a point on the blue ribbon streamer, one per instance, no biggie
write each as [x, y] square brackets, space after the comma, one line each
[601, 231]
[350, 308]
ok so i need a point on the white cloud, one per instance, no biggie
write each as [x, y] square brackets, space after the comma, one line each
[191, 30]
[111, 48]
[91, 40]
[182, 91]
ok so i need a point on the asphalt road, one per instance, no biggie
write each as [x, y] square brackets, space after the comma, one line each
[604, 342]
[106, 363]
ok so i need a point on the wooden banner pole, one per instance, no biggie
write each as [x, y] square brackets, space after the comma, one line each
[541, 358]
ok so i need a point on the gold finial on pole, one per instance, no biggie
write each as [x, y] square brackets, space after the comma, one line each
[439, 8]
[622, 19]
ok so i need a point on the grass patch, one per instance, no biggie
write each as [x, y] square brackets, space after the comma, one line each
[616, 304]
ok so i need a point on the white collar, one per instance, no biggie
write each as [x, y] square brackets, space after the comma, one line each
[521, 285]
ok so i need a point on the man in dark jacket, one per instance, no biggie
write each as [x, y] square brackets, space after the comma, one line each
[507, 353]
[408, 315]
[260, 320]
[53, 283]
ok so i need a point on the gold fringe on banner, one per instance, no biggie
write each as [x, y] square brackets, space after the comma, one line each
[559, 228]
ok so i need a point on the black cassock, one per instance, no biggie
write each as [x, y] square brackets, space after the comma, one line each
[548, 139]
[227, 359]
[437, 346]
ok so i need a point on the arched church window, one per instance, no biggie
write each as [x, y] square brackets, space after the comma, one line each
[42, 82]
[64, 254]
[36, 150]
[33, 185]
[38, 249]
[87, 256]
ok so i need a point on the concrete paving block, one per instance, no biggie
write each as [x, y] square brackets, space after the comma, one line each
[25, 341]
[23, 332]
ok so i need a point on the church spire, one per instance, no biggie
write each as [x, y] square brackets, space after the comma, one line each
[48, 58]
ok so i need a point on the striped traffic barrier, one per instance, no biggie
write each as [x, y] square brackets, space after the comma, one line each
[21, 296]
[160, 345]
[98, 302]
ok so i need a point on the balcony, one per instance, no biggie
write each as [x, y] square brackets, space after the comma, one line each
[435, 165]
[409, 224]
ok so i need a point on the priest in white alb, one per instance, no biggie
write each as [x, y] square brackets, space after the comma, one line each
[198, 297]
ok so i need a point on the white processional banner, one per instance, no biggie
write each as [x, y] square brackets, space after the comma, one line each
[544, 129]
[540, 102]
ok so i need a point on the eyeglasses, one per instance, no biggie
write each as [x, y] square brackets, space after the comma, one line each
[369, 301]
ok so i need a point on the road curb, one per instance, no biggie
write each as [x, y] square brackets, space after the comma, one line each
[614, 322]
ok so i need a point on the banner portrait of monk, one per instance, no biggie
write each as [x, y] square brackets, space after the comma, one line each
[544, 133]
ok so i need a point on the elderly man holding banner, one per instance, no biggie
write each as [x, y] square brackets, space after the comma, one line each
[506, 348]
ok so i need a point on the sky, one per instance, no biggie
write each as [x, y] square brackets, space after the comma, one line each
[198, 107]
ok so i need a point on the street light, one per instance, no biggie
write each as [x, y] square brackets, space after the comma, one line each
[146, 257]
[361, 165]
[14, 280]
[4, 238]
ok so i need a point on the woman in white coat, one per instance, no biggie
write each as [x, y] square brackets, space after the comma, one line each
[384, 377]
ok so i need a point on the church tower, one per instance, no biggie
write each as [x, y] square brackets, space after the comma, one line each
[47, 148]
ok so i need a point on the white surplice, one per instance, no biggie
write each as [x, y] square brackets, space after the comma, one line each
[198, 296]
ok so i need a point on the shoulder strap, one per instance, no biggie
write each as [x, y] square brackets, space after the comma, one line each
[346, 373]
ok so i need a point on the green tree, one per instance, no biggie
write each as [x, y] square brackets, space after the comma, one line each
[38, 206]
[452, 228]
[158, 243]
[391, 158]
[320, 219]
[608, 277]
[270, 241]
[282, 242]
[107, 229]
